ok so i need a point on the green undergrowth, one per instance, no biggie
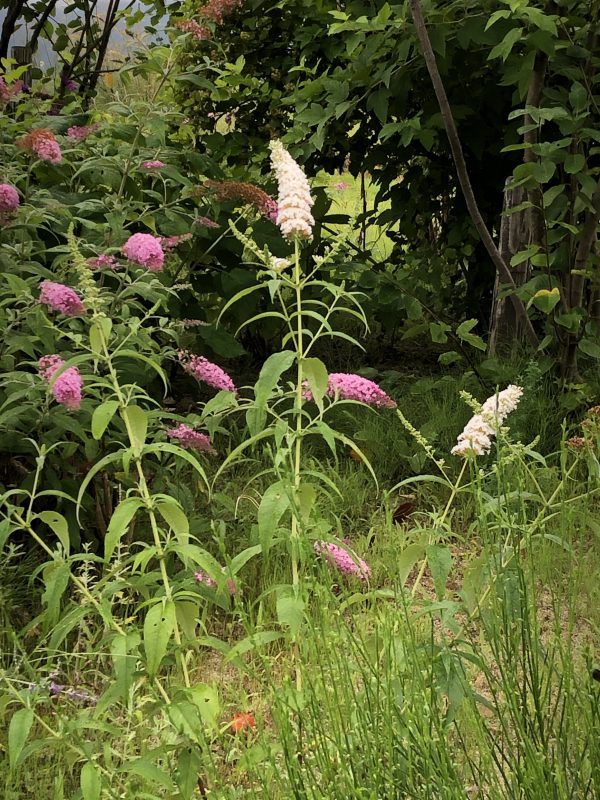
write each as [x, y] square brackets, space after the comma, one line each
[468, 674]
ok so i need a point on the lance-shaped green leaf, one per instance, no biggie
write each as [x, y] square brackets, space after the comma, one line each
[315, 374]
[18, 731]
[273, 506]
[59, 525]
[119, 522]
[136, 420]
[176, 519]
[158, 628]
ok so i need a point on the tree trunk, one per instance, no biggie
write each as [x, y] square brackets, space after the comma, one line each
[505, 326]
[10, 22]
[576, 299]
[502, 268]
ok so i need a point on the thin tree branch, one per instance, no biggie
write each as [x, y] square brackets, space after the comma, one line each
[463, 174]
[588, 237]
[10, 23]
[39, 26]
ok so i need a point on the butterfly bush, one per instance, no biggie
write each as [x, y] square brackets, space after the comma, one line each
[155, 164]
[67, 388]
[204, 370]
[340, 558]
[170, 242]
[202, 577]
[9, 198]
[294, 200]
[476, 438]
[102, 261]
[47, 366]
[9, 91]
[246, 193]
[199, 32]
[348, 386]
[146, 250]
[190, 439]
[42, 143]
[206, 222]
[61, 298]
[80, 132]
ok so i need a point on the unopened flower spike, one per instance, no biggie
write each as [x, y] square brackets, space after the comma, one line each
[85, 275]
[247, 242]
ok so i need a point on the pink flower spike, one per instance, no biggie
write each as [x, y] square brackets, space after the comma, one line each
[340, 558]
[61, 298]
[80, 132]
[202, 577]
[206, 222]
[146, 250]
[42, 143]
[66, 389]
[103, 261]
[8, 91]
[354, 387]
[198, 32]
[204, 370]
[9, 198]
[190, 439]
[155, 164]
[47, 366]
[170, 242]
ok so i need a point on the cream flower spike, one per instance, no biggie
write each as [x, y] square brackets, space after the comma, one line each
[294, 201]
[476, 438]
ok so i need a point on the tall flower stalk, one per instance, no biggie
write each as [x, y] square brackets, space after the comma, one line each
[100, 331]
[299, 400]
[308, 307]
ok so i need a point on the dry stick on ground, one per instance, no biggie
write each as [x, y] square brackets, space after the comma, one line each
[463, 175]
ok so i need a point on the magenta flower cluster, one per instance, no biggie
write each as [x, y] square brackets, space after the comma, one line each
[204, 370]
[190, 439]
[206, 222]
[42, 143]
[170, 242]
[9, 198]
[146, 250]
[103, 261]
[80, 132]
[202, 577]
[67, 387]
[341, 559]
[47, 366]
[61, 298]
[153, 164]
[348, 386]
[271, 209]
[9, 91]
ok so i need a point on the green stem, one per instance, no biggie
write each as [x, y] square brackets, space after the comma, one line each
[439, 524]
[146, 496]
[138, 132]
[297, 410]
[25, 525]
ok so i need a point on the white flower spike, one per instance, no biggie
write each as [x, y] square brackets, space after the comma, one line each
[294, 202]
[476, 438]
